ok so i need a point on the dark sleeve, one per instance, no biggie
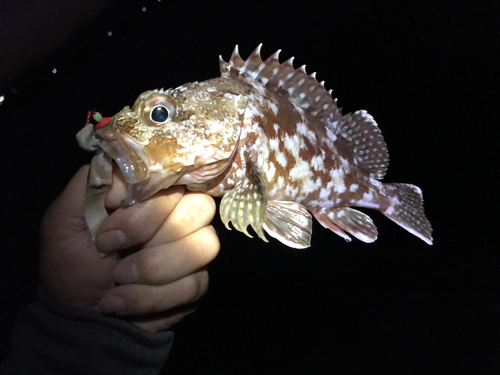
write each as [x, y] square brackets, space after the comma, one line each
[54, 339]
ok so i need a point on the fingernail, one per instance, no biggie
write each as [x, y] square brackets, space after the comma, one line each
[111, 240]
[112, 304]
[126, 273]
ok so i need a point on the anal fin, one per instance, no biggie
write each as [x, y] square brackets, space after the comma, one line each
[290, 223]
[345, 219]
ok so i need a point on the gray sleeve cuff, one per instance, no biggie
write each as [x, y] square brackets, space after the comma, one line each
[53, 339]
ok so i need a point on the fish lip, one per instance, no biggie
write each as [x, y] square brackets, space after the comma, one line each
[126, 154]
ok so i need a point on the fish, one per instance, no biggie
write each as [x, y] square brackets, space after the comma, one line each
[268, 139]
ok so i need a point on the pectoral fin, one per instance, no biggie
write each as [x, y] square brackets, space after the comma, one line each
[290, 223]
[246, 203]
[345, 219]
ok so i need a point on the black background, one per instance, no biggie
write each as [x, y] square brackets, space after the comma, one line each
[427, 71]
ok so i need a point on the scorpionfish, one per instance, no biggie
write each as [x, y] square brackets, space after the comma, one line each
[271, 141]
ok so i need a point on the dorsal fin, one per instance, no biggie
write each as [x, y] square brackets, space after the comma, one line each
[365, 140]
[302, 89]
[359, 129]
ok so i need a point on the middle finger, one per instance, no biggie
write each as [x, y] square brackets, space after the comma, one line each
[169, 262]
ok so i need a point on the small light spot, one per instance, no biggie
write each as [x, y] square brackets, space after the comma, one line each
[143, 9]
[54, 70]
[2, 98]
[110, 33]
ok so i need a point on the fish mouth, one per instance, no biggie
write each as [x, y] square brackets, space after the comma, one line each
[126, 153]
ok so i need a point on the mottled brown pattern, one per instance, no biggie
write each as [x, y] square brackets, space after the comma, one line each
[271, 129]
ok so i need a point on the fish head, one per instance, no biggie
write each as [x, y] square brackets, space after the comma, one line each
[188, 134]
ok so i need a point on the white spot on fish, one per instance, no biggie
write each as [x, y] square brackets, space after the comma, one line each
[281, 182]
[281, 158]
[317, 163]
[367, 197]
[325, 205]
[301, 128]
[310, 185]
[338, 180]
[273, 107]
[353, 188]
[291, 192]
[270, 171]
[274, 144]
[292, 143]
[324, 193]
[367, 204]
[300, 170]
[254, 111]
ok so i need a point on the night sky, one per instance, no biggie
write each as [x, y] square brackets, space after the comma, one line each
[427, 71]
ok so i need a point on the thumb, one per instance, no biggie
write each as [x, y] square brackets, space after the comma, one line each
[65, 215]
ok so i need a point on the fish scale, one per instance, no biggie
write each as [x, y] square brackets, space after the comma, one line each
[267, 138]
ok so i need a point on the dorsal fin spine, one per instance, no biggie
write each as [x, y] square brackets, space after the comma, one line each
[236, 53]
[223, 66]
[301, 89]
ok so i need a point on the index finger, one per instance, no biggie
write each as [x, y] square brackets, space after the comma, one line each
[138, 224]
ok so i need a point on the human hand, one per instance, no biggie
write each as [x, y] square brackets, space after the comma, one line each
[155, 286]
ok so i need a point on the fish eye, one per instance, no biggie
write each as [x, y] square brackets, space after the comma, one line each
[158, 110]
[160, 114]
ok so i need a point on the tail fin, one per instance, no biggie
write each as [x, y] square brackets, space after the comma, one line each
[406, 208]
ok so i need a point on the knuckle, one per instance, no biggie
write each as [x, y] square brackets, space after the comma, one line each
[196, 286]
[209, 243]
[152, 266]
[205, 204]
[143, 302]
[208, 205]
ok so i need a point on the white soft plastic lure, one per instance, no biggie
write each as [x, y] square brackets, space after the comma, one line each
[268, 139]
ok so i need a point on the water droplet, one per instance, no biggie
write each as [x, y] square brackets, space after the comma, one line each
[110, 33]
[143, 9]
[54, 70]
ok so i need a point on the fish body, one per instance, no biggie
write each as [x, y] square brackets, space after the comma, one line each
[272, 142]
